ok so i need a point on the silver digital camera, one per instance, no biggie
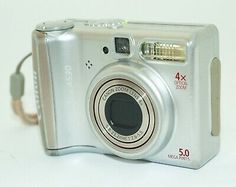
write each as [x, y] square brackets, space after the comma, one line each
[136, 90]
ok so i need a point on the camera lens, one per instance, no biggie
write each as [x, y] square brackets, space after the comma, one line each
[122, 45]
[123, 114]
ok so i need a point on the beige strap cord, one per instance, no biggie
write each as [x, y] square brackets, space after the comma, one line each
[17, 91]
[18, 109]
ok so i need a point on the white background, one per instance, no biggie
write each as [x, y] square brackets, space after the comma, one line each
[22, 159]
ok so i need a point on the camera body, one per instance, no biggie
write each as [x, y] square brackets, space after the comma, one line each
[136, 90]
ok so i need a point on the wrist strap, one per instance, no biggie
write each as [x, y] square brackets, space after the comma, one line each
[17, 84]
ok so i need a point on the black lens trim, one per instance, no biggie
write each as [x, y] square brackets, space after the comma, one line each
[123, 114]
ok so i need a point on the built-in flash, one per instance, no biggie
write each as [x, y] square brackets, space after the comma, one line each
[163, 51]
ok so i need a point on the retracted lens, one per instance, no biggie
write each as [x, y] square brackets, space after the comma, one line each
[123, 114]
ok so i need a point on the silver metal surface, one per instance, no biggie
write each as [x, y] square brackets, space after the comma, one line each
[44, 95]
[185, 107]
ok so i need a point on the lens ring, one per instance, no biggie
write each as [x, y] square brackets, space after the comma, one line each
[102, 126]
[125, 139]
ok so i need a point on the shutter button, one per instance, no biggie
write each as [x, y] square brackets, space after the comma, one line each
[54, 26]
